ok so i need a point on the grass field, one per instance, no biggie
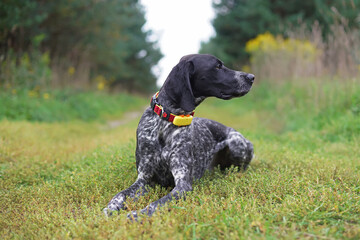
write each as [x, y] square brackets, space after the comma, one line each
[304, 182]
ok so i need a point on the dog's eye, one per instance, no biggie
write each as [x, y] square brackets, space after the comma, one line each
[219, 66]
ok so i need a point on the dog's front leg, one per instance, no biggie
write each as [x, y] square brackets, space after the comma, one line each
[117, 203]
[183, 184]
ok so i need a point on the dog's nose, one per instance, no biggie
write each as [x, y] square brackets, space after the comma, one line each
[250, 77]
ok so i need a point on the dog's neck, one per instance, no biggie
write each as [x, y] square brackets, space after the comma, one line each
[166, 101]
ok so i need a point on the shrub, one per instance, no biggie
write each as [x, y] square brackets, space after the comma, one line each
[306, 54]
[64, 105]
[276, 57]
[29, 71]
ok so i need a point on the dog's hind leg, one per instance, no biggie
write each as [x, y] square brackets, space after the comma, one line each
[117, 203]
[235, 150]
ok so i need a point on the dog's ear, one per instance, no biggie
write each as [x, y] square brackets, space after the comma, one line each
[178, 85]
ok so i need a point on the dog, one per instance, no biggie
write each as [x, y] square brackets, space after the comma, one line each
[172, 147]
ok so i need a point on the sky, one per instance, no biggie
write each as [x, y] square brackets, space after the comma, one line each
[179, 26]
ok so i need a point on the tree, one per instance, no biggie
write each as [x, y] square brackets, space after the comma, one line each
[19, 23]
[106, 36]
[238, 21]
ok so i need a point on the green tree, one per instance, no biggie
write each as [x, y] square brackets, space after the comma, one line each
[238, 21]
[19, 23]
[108, 35]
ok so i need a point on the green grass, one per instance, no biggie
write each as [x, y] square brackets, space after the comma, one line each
[304, 181]
[63, 105]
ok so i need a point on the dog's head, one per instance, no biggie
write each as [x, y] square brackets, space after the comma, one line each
[202, 75]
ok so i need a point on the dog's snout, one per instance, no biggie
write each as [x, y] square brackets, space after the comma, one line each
[250, 77]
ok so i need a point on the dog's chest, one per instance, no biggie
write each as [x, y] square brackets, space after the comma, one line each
[161, 146]
[155, 138]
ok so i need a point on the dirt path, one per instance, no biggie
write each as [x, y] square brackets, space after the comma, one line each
[128, 117]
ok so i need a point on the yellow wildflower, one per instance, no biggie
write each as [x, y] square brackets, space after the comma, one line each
[101, 82]
[71, 71]
[263, 42]
[46, 96]
[246, 68]
[101, 86]
[33, 93]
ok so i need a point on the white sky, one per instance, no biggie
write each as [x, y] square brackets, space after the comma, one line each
[179, 26]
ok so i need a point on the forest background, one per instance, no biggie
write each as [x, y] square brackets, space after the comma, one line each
[98, 44]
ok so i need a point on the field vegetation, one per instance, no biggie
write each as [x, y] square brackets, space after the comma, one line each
[55, 178]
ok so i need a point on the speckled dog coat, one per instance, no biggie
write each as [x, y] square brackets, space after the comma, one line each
[172, 155]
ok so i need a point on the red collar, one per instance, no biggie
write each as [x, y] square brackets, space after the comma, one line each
[178, 120]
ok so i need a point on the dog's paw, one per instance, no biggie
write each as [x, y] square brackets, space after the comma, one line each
[109, 212]
[133, 216]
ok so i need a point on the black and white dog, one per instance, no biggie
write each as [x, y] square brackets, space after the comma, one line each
[173, 148]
